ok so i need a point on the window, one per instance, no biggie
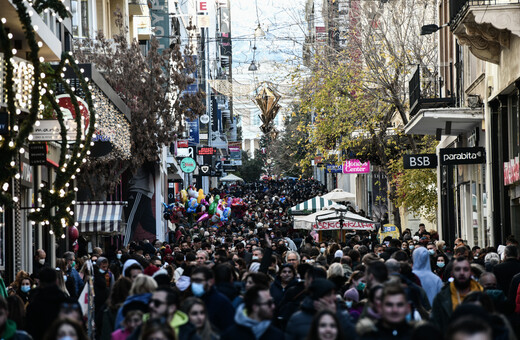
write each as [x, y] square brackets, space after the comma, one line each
[514, 126]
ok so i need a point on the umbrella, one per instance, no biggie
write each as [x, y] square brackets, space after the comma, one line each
[310, 206]
[334, 217]
[338, 195]
[231, 178]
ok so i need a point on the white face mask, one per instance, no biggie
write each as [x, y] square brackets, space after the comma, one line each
[41, 261]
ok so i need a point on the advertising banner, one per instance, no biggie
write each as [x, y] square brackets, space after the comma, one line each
[193, 128]
[333, 169]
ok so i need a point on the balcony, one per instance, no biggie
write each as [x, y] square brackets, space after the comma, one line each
[427, 86]
[485, 25]
[137, 7]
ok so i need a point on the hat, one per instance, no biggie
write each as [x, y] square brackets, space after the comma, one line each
[150, 270]
[102, 259]
[338, 253]
[352, 294]
[135, 305]
[320, 287]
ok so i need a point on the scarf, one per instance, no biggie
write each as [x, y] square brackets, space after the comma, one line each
[257, 327]
[457, 298]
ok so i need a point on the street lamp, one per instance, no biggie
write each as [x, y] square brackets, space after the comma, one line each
[252, 67]
[432, 28]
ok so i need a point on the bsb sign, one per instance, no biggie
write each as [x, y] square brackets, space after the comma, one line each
[421, 161]
[456, 156]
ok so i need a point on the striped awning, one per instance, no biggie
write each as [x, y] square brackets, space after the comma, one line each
[100, 217]
[310, 206]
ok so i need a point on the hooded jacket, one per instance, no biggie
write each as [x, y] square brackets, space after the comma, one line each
[247, 328]
[430, 282]
[144, 298]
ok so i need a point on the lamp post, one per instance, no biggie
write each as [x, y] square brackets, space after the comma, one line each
[432, 28]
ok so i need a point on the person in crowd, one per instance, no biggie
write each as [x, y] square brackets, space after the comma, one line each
[196, 311]
[358, 281]
[16, 311]
[133, 318]
[23, 287]
[253, 318]
[453, 294]
[321, 295]
[393, 323]
[44, 305]
[71, 272]
[220, 309]
[40, 262]
[285, 280]
[325, 326]
[115, 300]
[140, 293]
[66, 329]
[156, 329]
[335, 274]
[352, 302]
[505, 271]
[431, 283]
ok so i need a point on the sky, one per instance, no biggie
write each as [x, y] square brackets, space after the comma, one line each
[282, 45]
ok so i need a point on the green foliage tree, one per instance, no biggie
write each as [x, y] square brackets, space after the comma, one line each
[251, 168]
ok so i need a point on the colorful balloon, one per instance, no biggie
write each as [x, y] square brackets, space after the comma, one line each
[184, 196]
[203, 217]
[192, 205]
[200, 196]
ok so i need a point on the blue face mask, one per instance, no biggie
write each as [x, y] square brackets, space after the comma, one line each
[361, 286]
[101, 271]
[25, 289]
[440, 264]
[197, 289]
[412, 247]
[431, 251]
[349, 304]
[66, 337]
[119, 256]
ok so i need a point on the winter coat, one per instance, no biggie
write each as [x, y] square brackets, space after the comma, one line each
[300, 323]
[144, 298]
[242, 329]
[290, 304]
[109, 318]
[278, 292]
[442, 308]
[44, 307]
[431, 283]
[505, 272]
[220, 310]
[368, 330]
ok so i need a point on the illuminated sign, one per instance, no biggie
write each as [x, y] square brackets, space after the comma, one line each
[206, 151]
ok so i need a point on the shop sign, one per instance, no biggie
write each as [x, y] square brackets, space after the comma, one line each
[354, 166]
[188, 165]
[185, 152]
[334, 169]
[37, 154]
[50, 130]
[204, 170]
[206, 151]
[456, 156]
[422, 161]
[511, 171]
[182, 143]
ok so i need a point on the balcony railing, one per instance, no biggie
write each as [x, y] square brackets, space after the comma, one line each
[428, 88]
[459, 7]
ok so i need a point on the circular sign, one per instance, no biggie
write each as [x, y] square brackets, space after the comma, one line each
[204, 119]
[188, 165]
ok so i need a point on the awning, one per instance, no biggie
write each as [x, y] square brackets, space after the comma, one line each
[100, 217]
[427, 121]
[334, 217]
[314, 204]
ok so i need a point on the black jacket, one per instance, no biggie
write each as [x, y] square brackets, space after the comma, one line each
[44, 307]
[505, 272]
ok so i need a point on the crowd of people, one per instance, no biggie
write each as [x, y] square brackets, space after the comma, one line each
[257, 278]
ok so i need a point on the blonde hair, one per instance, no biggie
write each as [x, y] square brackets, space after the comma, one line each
[143, 284]
[335, 269]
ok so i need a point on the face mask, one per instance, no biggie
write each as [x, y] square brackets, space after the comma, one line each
[409, 317]
[41, 261]
[66, 337]
[475, 257]
[361, 286]
[255, 258]
[322, 250]
[102, 271]
[64, 278]
[197, 289]
[119, 256]
[73, 264]
[349, 304]
[441, 264]
[93, 262]
[159, 257]
[411, 247]
[379, 254]
[431, 251]
[25, 289]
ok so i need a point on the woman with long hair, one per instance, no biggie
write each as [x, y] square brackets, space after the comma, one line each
[325, 326]
[157, 330]
[66, 329]
[196, 311]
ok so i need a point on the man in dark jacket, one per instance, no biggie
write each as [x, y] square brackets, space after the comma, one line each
[507, 269]
[393, 324]
[253, 317]
[44, 304]
[321, 295]
[220, 309]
